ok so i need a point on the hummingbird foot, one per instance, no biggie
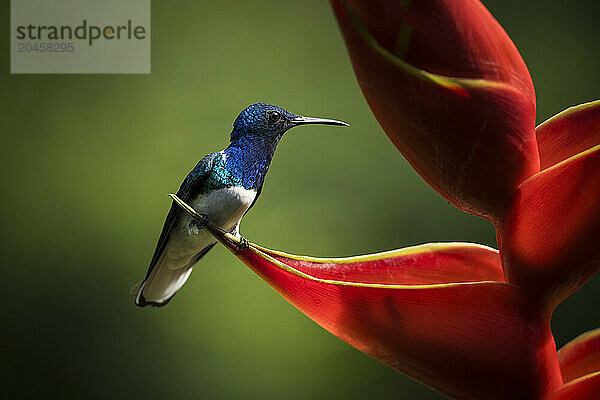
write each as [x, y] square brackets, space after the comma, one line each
[195, 226]
[243, 244]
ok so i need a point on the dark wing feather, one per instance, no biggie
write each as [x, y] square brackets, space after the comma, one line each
[190, 186]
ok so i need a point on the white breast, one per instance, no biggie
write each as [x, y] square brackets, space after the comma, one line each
[225, 207]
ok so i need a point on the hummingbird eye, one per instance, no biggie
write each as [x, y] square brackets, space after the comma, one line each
[273, 116]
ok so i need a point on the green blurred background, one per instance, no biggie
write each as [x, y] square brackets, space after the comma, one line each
[87, 161]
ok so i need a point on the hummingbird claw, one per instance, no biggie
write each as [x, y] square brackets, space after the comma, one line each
[243, 244]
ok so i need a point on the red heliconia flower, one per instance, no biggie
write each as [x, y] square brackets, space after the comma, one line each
[453, 94]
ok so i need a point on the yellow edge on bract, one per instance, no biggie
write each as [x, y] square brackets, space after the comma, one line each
[449, 82]
[568, 111]
[581, 338]
[433, 247]
[257, 250]
[577, 380]
[563, 162]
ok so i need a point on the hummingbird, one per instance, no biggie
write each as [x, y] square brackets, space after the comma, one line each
[222, 187]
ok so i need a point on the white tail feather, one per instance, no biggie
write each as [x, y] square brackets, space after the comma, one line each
[162, 283]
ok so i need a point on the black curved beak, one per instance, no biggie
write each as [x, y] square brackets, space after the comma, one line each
[300, 120]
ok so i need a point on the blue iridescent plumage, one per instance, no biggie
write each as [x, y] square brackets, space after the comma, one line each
[223, 186]
[246, 160]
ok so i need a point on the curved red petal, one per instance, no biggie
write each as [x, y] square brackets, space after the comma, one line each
[584, 388]
[459, 129]
[568, 133]
[419, 265]
[549, 240]
[468, 340]
[581, 356]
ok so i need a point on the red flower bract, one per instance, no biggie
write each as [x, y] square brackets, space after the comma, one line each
[441, 313]
[580, 367]
[549, 237]
[581, 357]
[451, 91]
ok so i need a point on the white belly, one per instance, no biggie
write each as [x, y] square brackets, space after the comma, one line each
[223, 207]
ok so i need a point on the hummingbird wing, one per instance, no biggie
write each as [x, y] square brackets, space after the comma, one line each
[162, 281]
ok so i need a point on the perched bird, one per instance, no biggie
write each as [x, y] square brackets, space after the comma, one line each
[222, 187]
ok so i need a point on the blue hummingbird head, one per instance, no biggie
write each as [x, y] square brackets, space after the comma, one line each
[255, 135]
[267, 123]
